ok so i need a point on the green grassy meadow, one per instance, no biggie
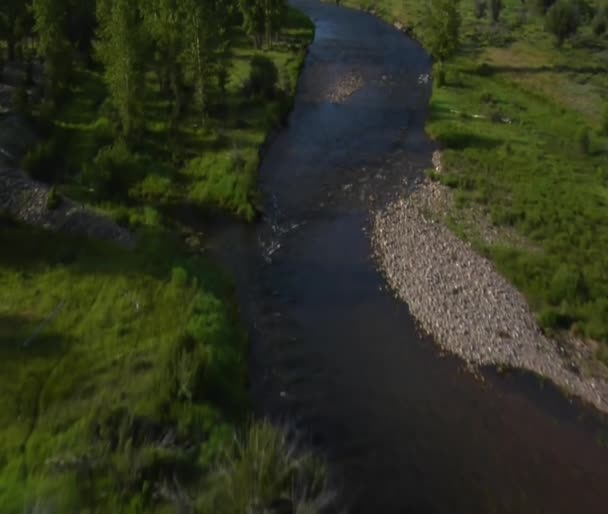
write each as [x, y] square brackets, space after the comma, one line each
[104, 353]
[510, 119]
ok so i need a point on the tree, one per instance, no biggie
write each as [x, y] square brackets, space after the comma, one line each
[480, 7]
[164, 22]
[205, 33]
[441, 28]
[120, 47]
[496, 7]
[262, 19]
[562, 20]
[12, 12]
[53, 45]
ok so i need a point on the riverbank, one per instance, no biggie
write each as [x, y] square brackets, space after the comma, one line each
[525, 189]
[469, 308]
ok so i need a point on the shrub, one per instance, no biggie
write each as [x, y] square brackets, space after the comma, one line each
[583, 140]
[115, 168]
[263, 77]
[562, 20]
[42, 161]
[599, 24]
[480, 8]
[264, 472]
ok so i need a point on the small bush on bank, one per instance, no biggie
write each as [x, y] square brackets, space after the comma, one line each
[562, 20]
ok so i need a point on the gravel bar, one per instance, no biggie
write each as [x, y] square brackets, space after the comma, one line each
[460, 299]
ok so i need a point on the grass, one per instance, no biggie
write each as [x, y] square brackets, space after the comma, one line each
[521, 165]
[104, 352]
[123, 382]
[211, 166]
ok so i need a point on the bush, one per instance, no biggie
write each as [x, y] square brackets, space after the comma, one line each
[562, 20]
[42, 162]
[480, 7]
[599, 24]
[115, 168]
[264, 472]
[263, 77]
[583, 140]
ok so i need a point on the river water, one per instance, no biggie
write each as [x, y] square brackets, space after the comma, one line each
[405, 430]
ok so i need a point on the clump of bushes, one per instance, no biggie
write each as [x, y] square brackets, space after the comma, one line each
[263, 78]
[562, 20]
[114, 169]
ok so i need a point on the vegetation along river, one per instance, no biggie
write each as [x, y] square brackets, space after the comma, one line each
[405, 429]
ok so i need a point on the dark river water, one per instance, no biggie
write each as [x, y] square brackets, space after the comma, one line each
[404, 429]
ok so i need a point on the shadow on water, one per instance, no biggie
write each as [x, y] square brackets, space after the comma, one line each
[333, 353]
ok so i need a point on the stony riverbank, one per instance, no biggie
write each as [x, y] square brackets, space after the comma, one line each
[27, 201]
[459, 298]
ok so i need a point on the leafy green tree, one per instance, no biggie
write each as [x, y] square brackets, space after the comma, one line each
[441, 28]
[53, 45]
[262, 19]
[164, 21]
[253, 19]
[203, 59]
[121, 49]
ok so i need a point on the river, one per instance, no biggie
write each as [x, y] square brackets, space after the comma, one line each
[405, 429]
